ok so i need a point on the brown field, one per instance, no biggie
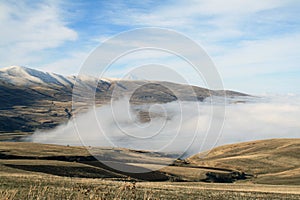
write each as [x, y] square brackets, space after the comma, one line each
[275, 161]
[267, 169]
[19, 186]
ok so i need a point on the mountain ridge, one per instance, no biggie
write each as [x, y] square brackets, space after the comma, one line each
[31, 99]
[8, 74]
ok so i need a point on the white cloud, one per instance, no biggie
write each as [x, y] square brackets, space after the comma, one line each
[27, 29]
[179, 124]
[215, 18]
[235, 7]
[181, 13]
[69, 65]
[243, 37]
[274, 55]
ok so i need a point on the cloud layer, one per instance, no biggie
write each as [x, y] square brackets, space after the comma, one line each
[178, 127]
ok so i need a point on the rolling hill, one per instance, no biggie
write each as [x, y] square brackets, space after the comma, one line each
[272, 162]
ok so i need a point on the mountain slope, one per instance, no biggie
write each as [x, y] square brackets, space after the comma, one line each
[16, 75]
[274, 161]
[31, 99]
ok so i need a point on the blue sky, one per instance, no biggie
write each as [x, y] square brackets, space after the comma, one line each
[254, 44]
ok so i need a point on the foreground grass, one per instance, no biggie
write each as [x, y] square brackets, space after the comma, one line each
[42, 187]
[39, 171]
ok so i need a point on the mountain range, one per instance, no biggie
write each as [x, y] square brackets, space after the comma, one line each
[32, 99]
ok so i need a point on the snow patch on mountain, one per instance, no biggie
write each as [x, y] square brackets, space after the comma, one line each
[23, 76]
[17, 75]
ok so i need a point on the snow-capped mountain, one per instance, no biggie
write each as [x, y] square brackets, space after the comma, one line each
[17, 75]
[32, 99]
[132, 77]
[31, 78]
[23, 76]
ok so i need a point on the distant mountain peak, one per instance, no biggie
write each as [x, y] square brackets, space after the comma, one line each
[132, 77]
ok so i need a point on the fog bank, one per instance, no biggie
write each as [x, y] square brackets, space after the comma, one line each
[178, 126]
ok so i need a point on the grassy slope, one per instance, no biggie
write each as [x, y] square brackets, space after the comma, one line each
[31, 174]
[275, 161]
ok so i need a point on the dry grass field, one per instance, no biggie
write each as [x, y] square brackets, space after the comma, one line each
[274, 161]
[40, 171]
[46, 187]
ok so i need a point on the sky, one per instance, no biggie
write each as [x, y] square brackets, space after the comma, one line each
[255, 45]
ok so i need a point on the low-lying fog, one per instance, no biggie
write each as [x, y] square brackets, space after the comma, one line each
[179, 126]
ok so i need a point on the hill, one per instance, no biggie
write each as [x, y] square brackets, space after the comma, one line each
[32, 99]
[274, 161]
[31, 170]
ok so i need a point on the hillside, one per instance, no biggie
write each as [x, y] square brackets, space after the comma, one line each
[274, 161]
[30, 170]
[31, 99]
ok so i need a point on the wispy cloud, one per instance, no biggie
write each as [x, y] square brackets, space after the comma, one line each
[245, 38]
[28, 28]
[277, 54]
